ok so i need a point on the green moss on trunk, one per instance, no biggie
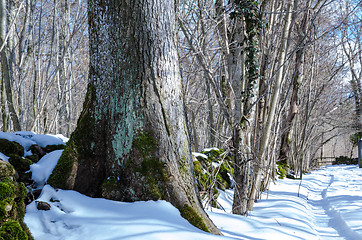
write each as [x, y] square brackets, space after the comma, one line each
[79, 145]
[144, 166]
[62, 171]
[151, 167]
[190, 215]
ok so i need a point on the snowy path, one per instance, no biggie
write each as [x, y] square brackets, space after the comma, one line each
[331, 222]
[329, 206]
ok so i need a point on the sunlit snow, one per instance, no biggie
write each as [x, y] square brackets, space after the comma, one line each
[196, 154]
[42, 169]
[328, 206]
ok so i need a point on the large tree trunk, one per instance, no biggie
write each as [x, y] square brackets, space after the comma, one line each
[131, 143]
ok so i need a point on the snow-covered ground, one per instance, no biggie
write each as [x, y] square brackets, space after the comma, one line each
[329, 206]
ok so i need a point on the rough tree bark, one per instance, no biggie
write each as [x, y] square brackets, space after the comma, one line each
[6, 67]
[130, 143]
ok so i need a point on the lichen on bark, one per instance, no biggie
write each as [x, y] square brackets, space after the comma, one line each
[143, 166]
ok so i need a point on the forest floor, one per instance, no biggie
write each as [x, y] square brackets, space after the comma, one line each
[326, 204]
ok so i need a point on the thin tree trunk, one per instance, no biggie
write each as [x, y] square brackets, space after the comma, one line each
[296, 81]
[4, 115]
[62, 31]
[273, 105]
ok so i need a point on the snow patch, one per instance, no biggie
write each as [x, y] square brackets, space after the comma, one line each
[4, 157]
[75, 216]
[27, 138]
[196, 154]
[44, 168]
[209, 149]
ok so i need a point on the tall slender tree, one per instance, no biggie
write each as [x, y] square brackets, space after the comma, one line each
[297, 78]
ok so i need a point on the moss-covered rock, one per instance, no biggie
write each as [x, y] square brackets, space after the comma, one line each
[200, 175]
[51, 148]
[212, 172]
[12, 230]
[34, 158]
[6, 207]
[12, 195]
[12, 209]
[6, 169]
[19, 163]
[218, 165]
[7, 188]
[7, 147]
[37, 151]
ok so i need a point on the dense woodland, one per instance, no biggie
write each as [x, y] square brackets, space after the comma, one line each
[266, 81]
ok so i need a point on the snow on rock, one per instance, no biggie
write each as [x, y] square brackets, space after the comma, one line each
[4, 157]
[43, 169]
[25, 142]
[43, 140]
[196, 154]
[60, 136]
[210, 149]
[26, 139]
[215, 164]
